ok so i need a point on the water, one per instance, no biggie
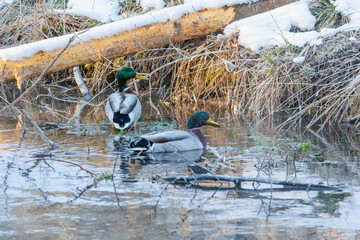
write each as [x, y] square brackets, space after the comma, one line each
[58, 199]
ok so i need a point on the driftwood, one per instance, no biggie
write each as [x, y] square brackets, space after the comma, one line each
[238, 180]
[190, 26]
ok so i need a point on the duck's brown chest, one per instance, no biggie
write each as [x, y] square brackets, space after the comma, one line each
[200, 135]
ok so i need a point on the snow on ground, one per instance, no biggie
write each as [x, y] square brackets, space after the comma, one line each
[4, 2]
[149, 4]
[105, 10]
[273, 27]
[101, 10]
[351, 9]
[299, 60]
[162, 15]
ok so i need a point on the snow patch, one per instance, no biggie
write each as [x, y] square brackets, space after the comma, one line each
[229, 65]
[274, 29]
[352, 38]
[351, 9]
[299, 60]
[5, 2]
[152, 4]
[162, 15]
[190, 1]
[101, 10]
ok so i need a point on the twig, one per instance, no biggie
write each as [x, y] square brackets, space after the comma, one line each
[64, 161]
[161, 164]
[38, 130]
[81, 192]
[204, 21]
[157, 202]
[196, 184]
[193, 162]
[151, 102]
[201, 204]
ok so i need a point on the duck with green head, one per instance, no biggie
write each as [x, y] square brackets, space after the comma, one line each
[123, 108]
[176, 140]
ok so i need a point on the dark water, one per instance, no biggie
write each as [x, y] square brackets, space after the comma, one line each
[55, 199]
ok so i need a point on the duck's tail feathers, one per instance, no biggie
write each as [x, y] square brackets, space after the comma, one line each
[121, 119]
[140, 145]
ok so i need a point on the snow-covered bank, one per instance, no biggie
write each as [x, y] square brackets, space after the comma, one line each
[263, 30]
[276, 24]
[162, 15]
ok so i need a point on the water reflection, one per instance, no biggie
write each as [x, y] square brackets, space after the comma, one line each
[46, 198]
[120, 144]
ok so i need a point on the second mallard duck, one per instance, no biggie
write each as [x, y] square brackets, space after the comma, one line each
[123, 108]
[176, 140]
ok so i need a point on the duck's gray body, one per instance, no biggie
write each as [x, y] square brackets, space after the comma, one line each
[171, 141]
[123, 110]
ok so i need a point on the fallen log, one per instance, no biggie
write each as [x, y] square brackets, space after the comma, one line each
[129, 36]
[183, 180]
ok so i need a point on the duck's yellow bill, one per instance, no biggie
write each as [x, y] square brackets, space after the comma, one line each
[212, 123]
[141, 77]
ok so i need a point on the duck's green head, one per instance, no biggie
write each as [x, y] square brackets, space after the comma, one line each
[200, 119]
[125, 74]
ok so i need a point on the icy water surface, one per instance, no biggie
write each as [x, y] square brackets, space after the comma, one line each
[57, 197]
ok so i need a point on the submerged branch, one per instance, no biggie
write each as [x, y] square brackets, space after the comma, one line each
[237, 181]
[38, 130]
[80, 82]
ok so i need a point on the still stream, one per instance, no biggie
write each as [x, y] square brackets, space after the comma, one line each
[92, 187]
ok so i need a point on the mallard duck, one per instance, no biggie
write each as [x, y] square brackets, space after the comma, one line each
[123, 108]
[176, 140]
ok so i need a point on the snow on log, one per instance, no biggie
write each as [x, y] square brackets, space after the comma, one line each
[129, 36]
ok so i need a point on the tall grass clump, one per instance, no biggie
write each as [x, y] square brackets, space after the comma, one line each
[326, 15]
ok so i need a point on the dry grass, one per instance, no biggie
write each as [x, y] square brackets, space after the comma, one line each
[217, 70]
[324, 88]
[31, 21]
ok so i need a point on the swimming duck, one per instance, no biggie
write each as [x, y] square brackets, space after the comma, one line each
[176, 140]
[123, 108]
